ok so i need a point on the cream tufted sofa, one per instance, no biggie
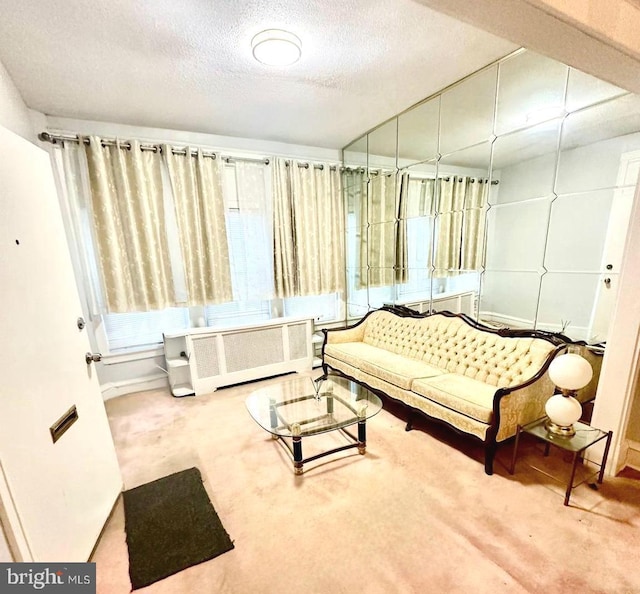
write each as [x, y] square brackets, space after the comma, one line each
[481, 381]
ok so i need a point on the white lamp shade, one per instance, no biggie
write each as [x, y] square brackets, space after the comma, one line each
[570, 371]
[563, 410]
[275, 47]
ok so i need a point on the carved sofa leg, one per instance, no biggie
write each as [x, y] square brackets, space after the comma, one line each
[410, 417]
[489, 454]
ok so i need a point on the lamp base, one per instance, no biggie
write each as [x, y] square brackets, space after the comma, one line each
[563, 430]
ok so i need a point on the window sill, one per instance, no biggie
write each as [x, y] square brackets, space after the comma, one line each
[127, 355]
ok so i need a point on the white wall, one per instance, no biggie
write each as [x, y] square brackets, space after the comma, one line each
[14, 114]
[128, 373]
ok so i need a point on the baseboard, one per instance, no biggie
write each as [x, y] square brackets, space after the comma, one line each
[632, 458]
[574, 332]
[114, 389]
[104, 526]
[504, 320]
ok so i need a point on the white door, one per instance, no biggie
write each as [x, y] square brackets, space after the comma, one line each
[55, 497]
[614, 246]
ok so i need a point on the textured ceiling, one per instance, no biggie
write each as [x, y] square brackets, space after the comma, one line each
[187, 65]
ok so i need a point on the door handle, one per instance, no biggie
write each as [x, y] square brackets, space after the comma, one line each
[607, 282]
[92, 357]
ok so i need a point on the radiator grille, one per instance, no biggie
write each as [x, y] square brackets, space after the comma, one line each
[205, 351]
[298, 341]
[253, 349]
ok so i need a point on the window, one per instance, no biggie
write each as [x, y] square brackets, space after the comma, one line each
[237, 313]
[248, 203]
[140, 329]
[323, 308]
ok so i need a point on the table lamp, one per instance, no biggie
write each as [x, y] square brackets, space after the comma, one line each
[569, 372]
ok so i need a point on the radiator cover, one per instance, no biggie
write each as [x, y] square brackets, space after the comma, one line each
[226, 356]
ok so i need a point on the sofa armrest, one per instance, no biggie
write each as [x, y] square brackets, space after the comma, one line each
[523, 405]
[338, 335]
[519, 405]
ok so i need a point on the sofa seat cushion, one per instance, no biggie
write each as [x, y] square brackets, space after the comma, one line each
[457, 392]
[352, 353]
[380, 363]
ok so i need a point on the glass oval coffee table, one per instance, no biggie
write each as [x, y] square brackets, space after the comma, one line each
[303, 407]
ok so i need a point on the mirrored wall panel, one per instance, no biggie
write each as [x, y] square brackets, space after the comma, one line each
[466, 112]
[418, 135]
[567, 304]
[510, 299]
[530, 91]
[506, 196]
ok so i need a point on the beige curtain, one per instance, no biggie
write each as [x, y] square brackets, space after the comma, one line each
[415, 200]
[197, 194]
[378, 245]
[308, 229]
[285, 257]
[473, 224]
[129, 221]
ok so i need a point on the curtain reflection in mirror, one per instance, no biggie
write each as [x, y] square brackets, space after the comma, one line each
[354, 183]
[395, 222]
[415, 204]
[473, 224]
[378, 244]
[460, 223]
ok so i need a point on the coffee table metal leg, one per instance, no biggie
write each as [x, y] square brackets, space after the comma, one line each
[273, 415]
[297, 454]
[362, 436]
[329, 404]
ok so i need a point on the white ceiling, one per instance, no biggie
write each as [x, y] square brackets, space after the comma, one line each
[187, 65]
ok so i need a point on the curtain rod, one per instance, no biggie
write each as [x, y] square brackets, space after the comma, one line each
[472, 180]
[320, 166]
[57, 138]
[494, 182]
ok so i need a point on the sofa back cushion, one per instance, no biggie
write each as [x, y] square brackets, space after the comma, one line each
[451, 344]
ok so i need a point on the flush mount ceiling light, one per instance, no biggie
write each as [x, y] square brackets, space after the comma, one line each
[276, 47]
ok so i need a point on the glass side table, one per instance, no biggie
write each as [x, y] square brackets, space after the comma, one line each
[585, 437]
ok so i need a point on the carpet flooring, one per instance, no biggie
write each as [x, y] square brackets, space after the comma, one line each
[417, 513]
